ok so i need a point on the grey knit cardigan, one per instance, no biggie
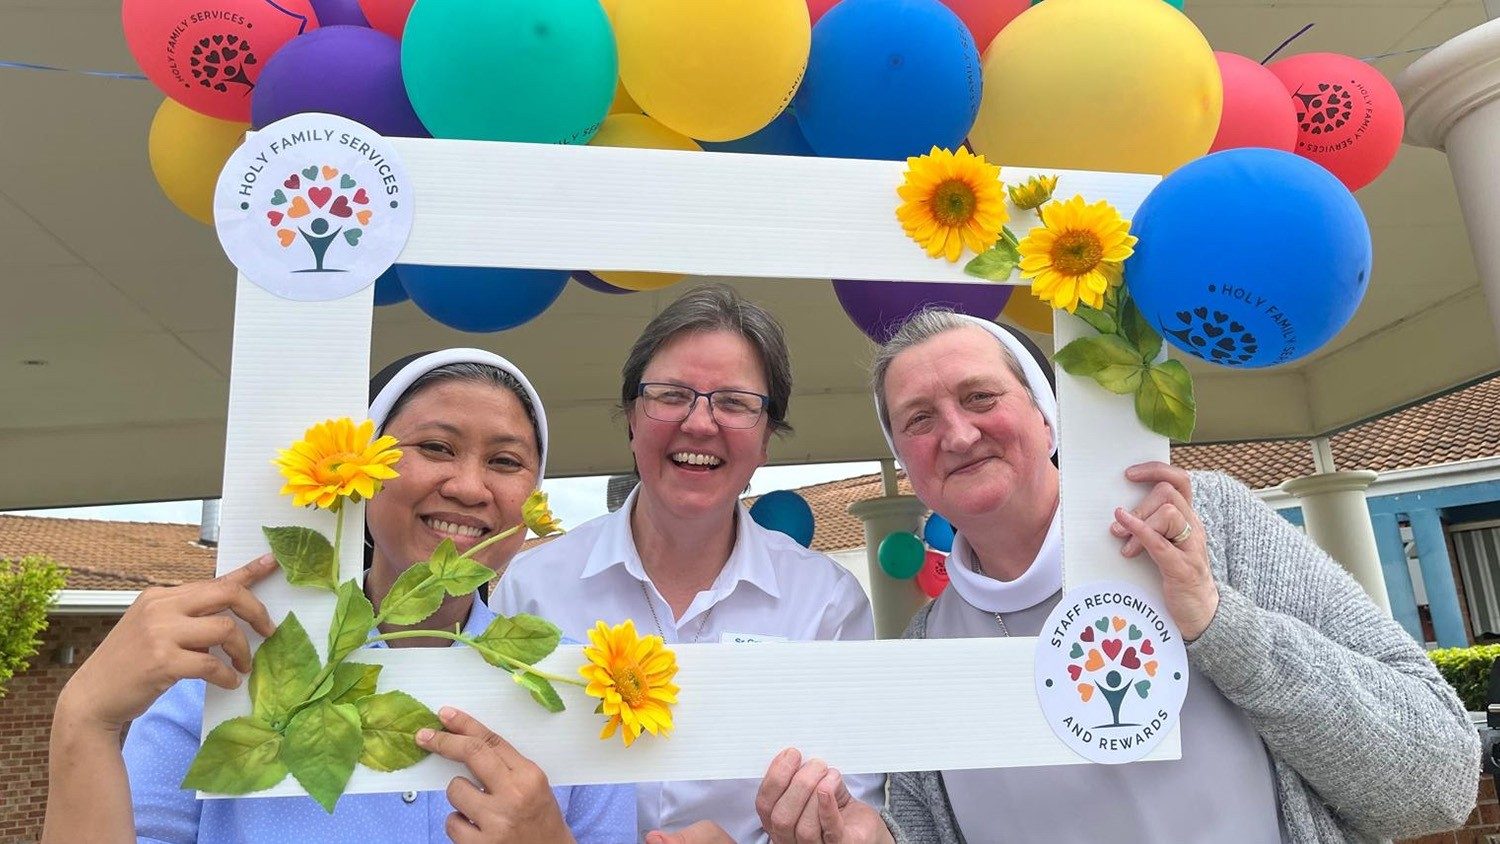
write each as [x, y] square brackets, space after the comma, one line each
[1367, 740]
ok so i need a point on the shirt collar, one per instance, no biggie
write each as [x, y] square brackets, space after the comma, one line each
[749, 561]
[1041, 580]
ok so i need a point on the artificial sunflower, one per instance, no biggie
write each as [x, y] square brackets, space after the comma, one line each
[538, 516]
[633, 678]
[1032, 193]
[952, 200]
[1075, 255]
[336, 461]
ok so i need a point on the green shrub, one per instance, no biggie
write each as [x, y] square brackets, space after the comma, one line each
[27, 588]
[1467, 670]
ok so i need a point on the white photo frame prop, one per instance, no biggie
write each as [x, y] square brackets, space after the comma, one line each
[520, 205]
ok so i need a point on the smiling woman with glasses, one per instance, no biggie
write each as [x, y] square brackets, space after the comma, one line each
[703, 389]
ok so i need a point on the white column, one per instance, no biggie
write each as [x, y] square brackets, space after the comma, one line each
[1338, 519]
[894, 600]
[1452, 100]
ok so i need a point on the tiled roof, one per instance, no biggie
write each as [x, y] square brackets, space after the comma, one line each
[110, 555]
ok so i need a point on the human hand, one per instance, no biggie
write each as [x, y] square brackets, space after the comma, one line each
[702, 832]
[1165, 526]
[808, 802]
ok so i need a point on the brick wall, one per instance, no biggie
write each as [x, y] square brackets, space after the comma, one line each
[25, 720]
[1483, 826]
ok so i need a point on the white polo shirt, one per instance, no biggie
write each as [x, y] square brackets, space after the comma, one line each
[770, 588]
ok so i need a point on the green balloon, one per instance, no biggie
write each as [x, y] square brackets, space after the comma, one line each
[538, 71]
[901, 555]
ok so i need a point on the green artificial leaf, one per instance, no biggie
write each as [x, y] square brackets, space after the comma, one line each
[1139, 332]
[456, 574]
[305, 555]
[282, 672]
[524, 638]
[1107, 358]
[388, 729]
[322, 744]
[239, 756]
[995, 263]
[352, 681]
[1165, 401]
[352, 619]
[1099, 320]
[413, 596]
[541, 690]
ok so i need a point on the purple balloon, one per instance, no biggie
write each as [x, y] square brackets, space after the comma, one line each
[879, 307]
[339, 13]
[350, 71]
[593, 282]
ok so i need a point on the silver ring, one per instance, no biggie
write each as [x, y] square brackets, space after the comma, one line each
[1187, 530]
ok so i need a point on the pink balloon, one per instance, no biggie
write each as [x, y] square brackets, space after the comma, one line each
[388, 16]
[932, 578]
[207, 54]
[1349, 117]
[1257, 111]
[985, 18]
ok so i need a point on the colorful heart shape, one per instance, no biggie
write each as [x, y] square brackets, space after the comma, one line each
[1076, 652]
[286, 236]
[1085, 691]
[278, 198]
[1151, 668]
[1094, 662]
[340, 207]
[1135, 632]
[1111, 647]
[1075, 671]
[1146, 648]
[1118, 623]
[346, 182]
[299, 208]
[320, 195]
[292, 182]
[1087, 635]
[361, 198]
[310, 172]
[1102, 624]
[352, 235]
[274, 217]
[363, 217]
[1130, 660]
[1143, 688]
[329, 172]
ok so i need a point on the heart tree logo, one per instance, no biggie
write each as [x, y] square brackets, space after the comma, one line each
[1111, 673]
[218, 61]
[323, 206]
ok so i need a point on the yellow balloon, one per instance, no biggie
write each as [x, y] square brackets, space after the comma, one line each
[622, 103]
[187, 151]
[1124, 85]
[638, 130]
[715, 70]
[1026, 310]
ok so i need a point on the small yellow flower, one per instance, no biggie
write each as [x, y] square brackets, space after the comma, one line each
[952, 200]
[538, 516]
[633, 678]
[1033, 193]
[334, 461]
[1075, 255]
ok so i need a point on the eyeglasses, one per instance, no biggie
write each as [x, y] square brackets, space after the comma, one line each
[728, 408]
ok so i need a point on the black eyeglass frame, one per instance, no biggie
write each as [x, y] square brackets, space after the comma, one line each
[765, 403]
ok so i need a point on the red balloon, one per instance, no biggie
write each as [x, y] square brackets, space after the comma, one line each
[388, 16]
[985, 18]
[932, 578]
[816, 8]
[207, 54]
[1349, 117]
[1257, 111]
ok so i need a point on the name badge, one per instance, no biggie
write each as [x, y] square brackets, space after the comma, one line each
[747, 638]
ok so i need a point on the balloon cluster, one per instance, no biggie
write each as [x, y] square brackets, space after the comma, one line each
[906, 556]
[1140, 90]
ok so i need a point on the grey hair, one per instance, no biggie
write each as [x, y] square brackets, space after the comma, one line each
[921, 327]
[473, 373]
[716, 307]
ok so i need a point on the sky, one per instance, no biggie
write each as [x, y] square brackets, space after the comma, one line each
[574, 500]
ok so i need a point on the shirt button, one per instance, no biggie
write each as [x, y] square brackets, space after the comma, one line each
[409, 797]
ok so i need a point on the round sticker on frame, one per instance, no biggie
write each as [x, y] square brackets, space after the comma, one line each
[1111, 673]
[313, 207]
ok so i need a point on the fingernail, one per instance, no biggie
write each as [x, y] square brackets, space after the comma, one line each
[446, 712]
[266, 561]
[425, 735]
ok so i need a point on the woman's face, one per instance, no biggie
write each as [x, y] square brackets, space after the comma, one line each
[964, 426]
[469, 459]
[694, 468]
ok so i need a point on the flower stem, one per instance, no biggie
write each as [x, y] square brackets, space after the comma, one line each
[459, 637]
[338, 536]
[491, 541]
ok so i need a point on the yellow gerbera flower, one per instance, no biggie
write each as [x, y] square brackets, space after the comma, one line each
[952, 200]
[1075, 255]
[334, 461]
[633, 676]
[538, 516]
[1032, 193]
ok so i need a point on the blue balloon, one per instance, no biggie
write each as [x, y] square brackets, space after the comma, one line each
[781, 136]
[388, 289]
[481, 298]
[938, 533]
[1249, 257]
[888, 79]
[785, 511]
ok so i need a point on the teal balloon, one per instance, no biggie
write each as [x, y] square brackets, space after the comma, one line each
[901, 554]
[535, 71]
